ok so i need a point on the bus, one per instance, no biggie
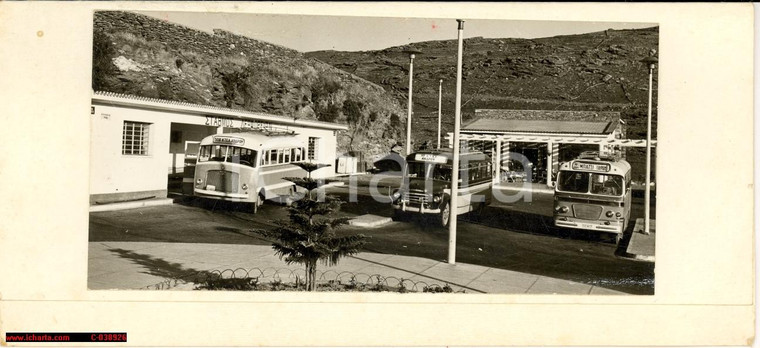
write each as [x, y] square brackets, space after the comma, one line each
[594, 193]
[426, 186]
[248, 166]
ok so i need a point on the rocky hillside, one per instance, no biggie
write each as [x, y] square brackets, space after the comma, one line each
[595, 71]
[144, 56]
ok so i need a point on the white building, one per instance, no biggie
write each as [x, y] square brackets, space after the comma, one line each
[137, 143]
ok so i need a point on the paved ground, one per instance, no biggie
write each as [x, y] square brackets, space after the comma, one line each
[642, 245]
[517, 237]
[525, 247]
[143, 265]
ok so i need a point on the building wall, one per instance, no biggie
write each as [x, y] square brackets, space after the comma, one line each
[114, 173]
[114, 176]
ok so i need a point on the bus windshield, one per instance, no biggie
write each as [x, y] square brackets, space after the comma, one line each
[227, 153]
[429, 170]
[597, 184]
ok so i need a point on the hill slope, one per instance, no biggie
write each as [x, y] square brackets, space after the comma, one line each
[595, 71]
[144, 56]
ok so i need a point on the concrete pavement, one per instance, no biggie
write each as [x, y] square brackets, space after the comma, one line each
[642, 245]
[143, 265]
[131, 204]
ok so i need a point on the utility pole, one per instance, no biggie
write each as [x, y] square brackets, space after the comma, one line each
[454, 201]
[411, 53]
[440, 89]
[650, 62]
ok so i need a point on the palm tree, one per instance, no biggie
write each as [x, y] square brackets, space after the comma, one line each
[309, 235]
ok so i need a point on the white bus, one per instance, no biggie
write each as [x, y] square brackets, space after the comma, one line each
[249, 166]
[594, 193]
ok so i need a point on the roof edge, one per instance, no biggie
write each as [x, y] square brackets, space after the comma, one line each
[176, 106]
[543, 110]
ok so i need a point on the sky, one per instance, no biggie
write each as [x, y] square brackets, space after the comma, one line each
[342, 33]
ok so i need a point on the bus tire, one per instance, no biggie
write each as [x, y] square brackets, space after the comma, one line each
[443, 220]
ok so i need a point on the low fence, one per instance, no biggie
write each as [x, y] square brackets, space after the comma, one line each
[284, 279]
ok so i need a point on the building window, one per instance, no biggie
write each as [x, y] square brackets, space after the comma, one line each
[313, 143]
[134, 139]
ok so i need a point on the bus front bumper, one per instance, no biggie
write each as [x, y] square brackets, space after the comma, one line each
[234, 197]
[613, 227]
[416, 209]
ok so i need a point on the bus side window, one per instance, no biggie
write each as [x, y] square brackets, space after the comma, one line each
[272, 156]
[286, 155]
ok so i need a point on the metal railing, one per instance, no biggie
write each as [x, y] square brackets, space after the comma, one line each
[292, 280]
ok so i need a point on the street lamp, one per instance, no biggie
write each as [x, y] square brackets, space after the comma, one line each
[650, 62]
[411, 51]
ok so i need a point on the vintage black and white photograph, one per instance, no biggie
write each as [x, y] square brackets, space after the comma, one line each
[262, 152]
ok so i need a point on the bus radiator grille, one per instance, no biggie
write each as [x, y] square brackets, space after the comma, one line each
[587, 211]
[416, 198]
[224, 181]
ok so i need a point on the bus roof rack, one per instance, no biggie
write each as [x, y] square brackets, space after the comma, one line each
[265, 131]
[596, 156]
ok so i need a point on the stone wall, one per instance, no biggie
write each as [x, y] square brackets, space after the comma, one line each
[181, 37]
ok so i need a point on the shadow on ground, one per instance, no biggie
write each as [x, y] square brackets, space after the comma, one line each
[159, 267]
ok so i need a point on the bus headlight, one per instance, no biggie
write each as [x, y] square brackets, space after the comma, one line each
[395, 196]
[563, 209]
[199, 181]
[618, 214]
[245, 186]
[436, 198]
[610, 214]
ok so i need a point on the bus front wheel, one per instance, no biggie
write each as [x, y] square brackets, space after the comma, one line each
[445, 214]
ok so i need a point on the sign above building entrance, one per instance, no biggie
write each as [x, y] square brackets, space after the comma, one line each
[236, 123]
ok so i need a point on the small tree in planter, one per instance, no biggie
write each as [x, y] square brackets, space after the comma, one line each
[309, 234]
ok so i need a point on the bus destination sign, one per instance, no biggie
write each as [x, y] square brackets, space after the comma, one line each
[221, 139]
[591, 166]
[429, 157]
